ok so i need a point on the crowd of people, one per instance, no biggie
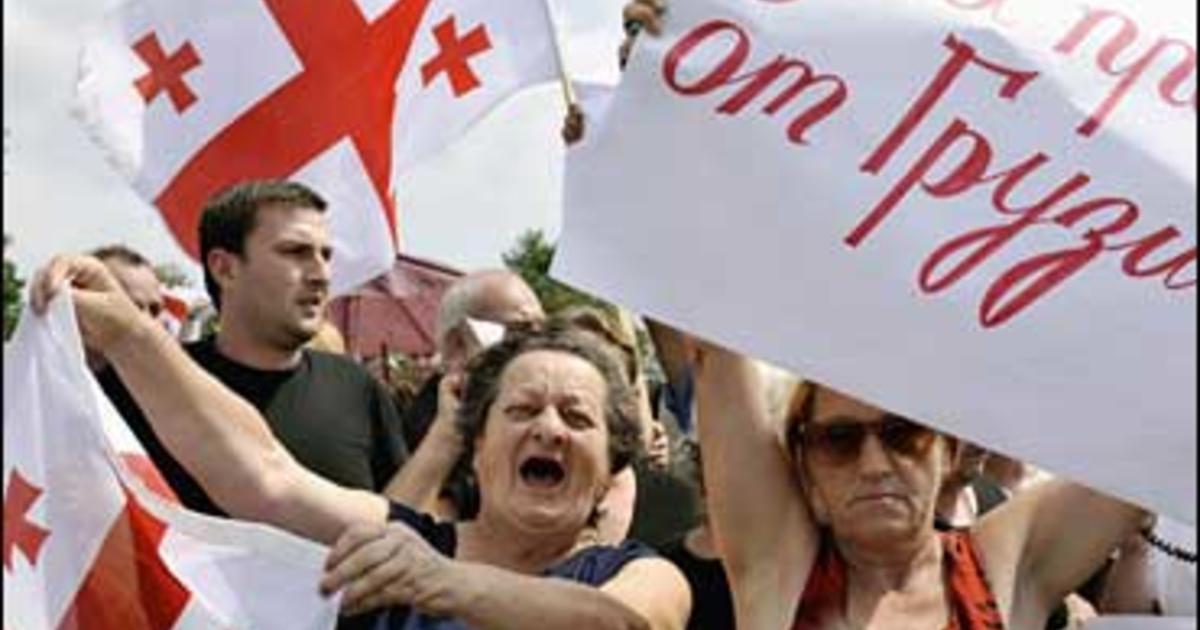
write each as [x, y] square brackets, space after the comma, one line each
[541, 477]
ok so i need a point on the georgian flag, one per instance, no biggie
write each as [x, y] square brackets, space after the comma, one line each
[90, 544]
[183, 309]
[188, 97]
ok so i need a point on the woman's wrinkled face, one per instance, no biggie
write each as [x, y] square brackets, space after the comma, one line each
[542, 460]
[871, 476]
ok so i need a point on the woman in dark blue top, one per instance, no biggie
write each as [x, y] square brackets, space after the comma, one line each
[547, 419]
[591, 565]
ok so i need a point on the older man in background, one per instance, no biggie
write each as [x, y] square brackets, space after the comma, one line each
[474, 312]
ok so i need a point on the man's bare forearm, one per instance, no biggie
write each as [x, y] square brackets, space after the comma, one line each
[223, 441]
[217, 436]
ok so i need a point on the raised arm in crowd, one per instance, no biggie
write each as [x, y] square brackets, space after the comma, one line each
[549, 420]
[833, 526]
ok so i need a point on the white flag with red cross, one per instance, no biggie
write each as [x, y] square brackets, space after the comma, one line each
[182, 309]
[89, 544]
[188, 97]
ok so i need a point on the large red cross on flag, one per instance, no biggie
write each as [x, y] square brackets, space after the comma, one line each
[338, 94]
[89, 544]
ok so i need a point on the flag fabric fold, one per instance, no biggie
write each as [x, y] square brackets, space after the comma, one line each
[338, 94]
[91, 544]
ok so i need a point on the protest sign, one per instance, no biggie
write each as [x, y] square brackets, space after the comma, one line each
[1123, 622]
[977, 214]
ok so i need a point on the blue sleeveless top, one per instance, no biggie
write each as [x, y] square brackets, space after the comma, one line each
[593, 566]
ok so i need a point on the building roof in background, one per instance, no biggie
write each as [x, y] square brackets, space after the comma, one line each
[396, 311]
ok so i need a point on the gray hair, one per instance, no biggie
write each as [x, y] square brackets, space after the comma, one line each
[464, 299]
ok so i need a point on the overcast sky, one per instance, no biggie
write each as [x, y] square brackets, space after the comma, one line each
[464, 207]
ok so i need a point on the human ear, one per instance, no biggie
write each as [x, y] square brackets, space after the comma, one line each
[459, 347]
[222, 265]
[477, 451]
[602, 489]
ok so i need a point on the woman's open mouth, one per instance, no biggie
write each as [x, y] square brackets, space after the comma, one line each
[542, 472]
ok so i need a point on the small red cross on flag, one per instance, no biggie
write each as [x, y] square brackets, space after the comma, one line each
[454, 56]
[335, 96]
[19, 533]
[165, 73]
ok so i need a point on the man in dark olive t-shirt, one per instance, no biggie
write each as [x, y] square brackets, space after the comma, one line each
[329, 413]
[266, 252]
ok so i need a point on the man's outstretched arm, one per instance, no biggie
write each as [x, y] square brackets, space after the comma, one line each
[217, 436]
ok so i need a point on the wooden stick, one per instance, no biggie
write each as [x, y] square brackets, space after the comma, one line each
[568, 90]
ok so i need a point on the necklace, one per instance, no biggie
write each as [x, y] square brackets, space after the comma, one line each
[1175, 551]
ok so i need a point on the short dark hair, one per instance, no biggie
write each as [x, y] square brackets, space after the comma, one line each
[230, 215]
[121, 253]
[483, 387]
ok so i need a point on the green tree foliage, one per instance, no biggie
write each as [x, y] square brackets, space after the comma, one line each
[12, 293]
[531, 258]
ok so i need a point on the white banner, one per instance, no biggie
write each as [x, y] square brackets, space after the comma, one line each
[977, 213]
[1122, 622]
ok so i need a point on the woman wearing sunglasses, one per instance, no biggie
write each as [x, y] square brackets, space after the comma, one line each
[833, 526]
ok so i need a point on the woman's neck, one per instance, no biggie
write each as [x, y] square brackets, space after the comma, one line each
[492, 541]
[905, 588]
[892, 567]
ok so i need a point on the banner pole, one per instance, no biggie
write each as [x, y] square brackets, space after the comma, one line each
[568, 91]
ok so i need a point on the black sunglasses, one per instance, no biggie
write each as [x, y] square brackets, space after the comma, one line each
[841, 442]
